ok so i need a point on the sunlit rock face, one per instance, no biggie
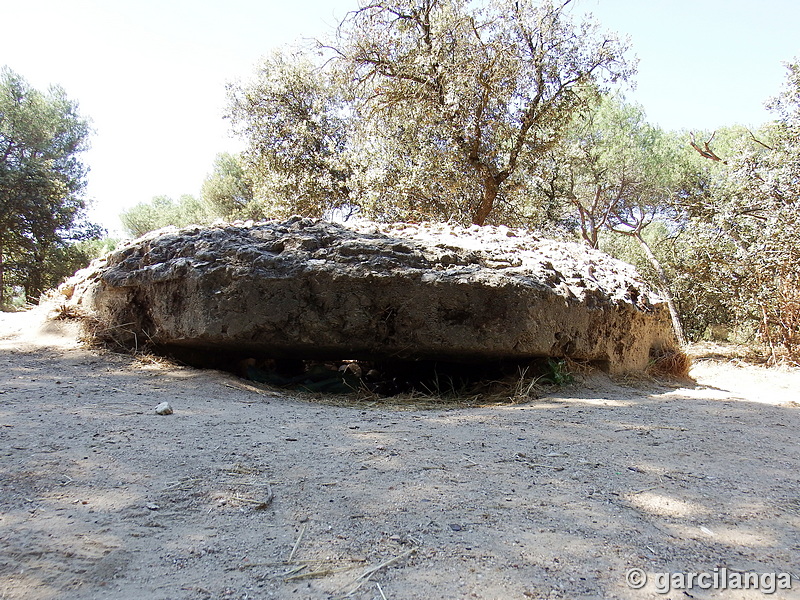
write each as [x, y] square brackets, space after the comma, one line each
[313, 289]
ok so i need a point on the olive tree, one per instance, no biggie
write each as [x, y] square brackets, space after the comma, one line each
[428, 109]
[292, 116]
[467, 97]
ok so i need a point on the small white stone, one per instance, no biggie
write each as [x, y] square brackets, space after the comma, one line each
[164, 409]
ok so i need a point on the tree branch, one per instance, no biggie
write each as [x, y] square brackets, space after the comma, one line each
[757, 141]
[706, 151]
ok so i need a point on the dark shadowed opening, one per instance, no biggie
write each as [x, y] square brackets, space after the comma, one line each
[380, 377]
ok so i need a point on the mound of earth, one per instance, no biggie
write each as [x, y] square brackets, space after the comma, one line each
[312, 289]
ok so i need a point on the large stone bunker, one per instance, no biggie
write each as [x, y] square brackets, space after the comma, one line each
[310, 289]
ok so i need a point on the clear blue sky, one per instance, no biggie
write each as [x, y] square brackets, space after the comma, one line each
[151, 74]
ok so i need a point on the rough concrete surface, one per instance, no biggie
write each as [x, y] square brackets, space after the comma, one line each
[315, 289]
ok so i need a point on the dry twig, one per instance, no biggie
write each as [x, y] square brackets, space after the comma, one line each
[366, 575]
[319, 573]
[297, 543]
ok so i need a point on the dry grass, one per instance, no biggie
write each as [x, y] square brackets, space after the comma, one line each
[670, 362]
[527, 385]
[97, 334]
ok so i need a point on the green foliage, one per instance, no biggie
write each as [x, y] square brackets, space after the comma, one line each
[42, 210]
[728, 235]
[228, 191]
[742, 225]
[618, 173]
[464, 99]
[626, 248]
[163, 211]
[431, 109]
[691, 270]
[94, 248]
[495, 113]
[291, 115]
[227, 194]
[557, 373]
[614, 169]
[65, 260]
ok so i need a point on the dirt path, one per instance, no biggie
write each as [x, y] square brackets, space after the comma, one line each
[241, 494]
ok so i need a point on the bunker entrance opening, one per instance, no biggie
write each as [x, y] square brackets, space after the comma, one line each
[381, 377]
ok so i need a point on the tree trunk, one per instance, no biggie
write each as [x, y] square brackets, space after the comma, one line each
[767, 334]
[2, 279]
[491, 187]
[664, 288]
[34, 280]
[589, 231]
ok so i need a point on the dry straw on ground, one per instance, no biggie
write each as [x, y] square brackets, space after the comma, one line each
[670, 363]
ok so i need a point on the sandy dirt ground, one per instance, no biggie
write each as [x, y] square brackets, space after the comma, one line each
[247, 493]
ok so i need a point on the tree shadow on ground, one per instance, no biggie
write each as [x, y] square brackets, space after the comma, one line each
[555, 498]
